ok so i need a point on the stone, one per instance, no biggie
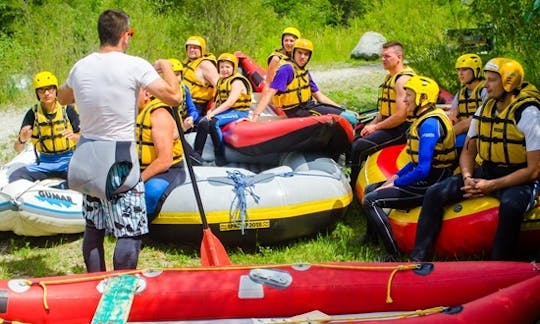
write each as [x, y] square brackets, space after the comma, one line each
[369, 46]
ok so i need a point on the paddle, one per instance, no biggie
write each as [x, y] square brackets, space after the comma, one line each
[212, 251]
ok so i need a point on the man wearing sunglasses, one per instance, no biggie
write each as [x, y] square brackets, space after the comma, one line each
[105, 167]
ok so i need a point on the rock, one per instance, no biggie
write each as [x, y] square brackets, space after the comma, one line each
[369, 46]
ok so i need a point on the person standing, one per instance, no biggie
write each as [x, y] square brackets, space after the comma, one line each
[283, 54]
[52, 128]
[390, 126]
[294, 91]
[470, 96]
[431, 147]
[200, 73]
[160, 152]
[505, 133]
[105, 84]
[232, 102]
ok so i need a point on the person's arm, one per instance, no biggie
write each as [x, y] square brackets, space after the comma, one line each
[25, 132]
[283, 77]
[429, 133]
[322, 98]
[209, 72]
[237, 88]
[271, 70]
[65, 95]
[462, 126]
[264, 100]
[163, 134]
[74, 133]
[165, 88]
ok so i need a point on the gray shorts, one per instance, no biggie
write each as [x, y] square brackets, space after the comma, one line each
[122, 216]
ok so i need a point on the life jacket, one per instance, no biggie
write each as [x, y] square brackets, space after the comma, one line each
[468, 103]
[47, 130]
[499, 141]
[297, 92]
[386, 102]
[143, 135]
[200, 92]
[182, 107]
[224, 89]
[445, 154]
[279, 53]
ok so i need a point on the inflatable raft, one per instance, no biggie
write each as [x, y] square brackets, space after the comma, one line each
[264, 199]
[468, 227]
[467, 292]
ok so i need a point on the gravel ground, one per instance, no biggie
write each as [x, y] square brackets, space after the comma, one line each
[344, 78]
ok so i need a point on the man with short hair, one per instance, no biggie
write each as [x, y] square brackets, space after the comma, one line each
[105, 85]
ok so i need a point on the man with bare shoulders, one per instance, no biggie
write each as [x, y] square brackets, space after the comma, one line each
[105, 167]
[390, 126]
[200, 73]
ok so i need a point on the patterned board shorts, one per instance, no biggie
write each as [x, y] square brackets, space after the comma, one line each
[122, 216]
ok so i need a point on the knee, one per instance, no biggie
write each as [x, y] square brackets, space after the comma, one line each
[20, 173]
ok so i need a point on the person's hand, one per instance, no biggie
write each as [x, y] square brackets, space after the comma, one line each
[368, 129]
[188, 123]
[68, 133]
[210, 114]
[25, 134]
[252, 116]
[471, 189]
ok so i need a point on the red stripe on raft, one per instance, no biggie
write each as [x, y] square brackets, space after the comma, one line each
[387, 160]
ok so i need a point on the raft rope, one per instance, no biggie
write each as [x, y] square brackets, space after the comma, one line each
[393, 268]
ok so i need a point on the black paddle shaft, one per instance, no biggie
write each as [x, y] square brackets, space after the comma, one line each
[190, 167]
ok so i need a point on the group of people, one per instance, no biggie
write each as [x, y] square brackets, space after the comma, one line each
[123, 192]
[491, 132]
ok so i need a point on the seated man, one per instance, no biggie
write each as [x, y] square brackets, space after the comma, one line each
[293, 89]
[160, 152]
[431, 146]
[470, 97]
[390, 126]
[505, 133]
[53, 130]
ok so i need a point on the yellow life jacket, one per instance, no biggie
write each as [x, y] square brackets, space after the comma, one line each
[143, 132]
[445, 154]
[386, 103]
[498, 139]
[224, 89]
[47, 130]
[182, 107]
[200, 92]
[469, 103]
[279, 53]
[297, 92]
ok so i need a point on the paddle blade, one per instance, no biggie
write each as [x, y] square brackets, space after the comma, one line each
[212, 251]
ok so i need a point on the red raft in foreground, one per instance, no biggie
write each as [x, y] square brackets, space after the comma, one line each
[468, 227]
[467, 292]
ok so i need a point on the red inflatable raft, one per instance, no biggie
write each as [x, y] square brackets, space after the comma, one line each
[468, 226]
[472, 292]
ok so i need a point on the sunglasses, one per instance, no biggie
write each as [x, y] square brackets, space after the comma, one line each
[130, 32]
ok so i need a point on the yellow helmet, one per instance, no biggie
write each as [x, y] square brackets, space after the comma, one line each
[470, 61]
[303, 43]
[291, 31]
[511, 72]
[176, 65]
[422, 85]
[229, 58]
[44, 79]
[197, 41]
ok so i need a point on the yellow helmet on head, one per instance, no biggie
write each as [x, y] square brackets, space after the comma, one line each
[229, 58]
[511, 72]
[291, 31]
[422, 85]
[44, 79]
[197, 41]
[176, 65]
[470, 61]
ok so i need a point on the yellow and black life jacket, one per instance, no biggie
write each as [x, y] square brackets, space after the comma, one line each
[499, 141]
[182, 107]
[200, 92]
[224, 89]
[297, 92]
[279, 53]
[386, 103]
[445, 154]
[143, 132]
[47, 130]
[469, 103]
